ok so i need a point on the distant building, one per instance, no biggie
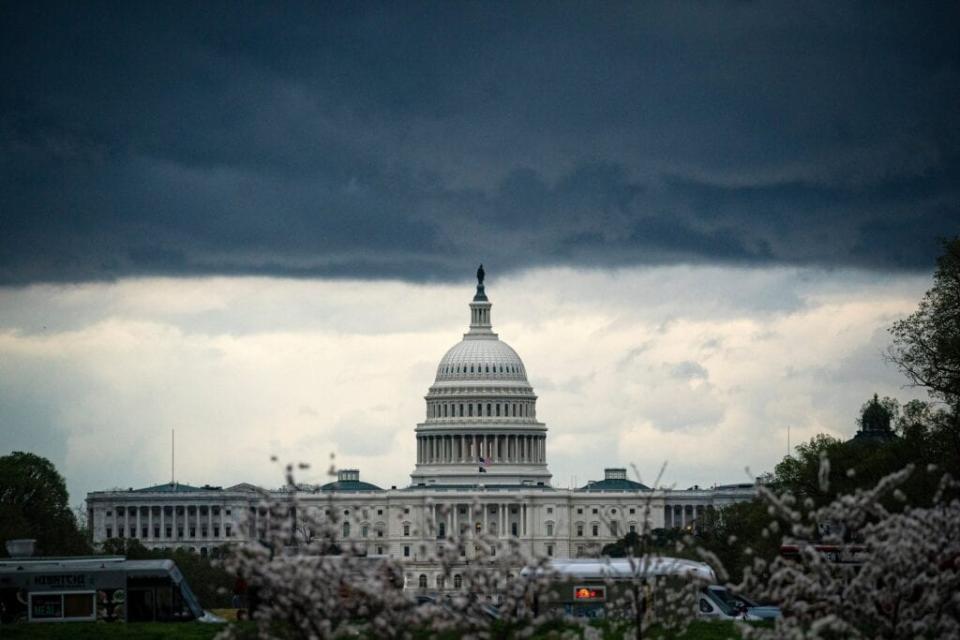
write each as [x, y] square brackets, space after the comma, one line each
[875, 423]
[480, 443]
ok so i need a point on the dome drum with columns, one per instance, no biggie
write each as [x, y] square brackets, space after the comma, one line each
[481, 424]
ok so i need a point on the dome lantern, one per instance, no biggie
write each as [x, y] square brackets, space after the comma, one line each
[480, 324]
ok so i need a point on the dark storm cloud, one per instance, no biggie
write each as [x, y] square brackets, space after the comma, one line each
[412, 140]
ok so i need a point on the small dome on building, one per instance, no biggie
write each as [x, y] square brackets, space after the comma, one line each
[875, 422]
[614, 479]
[349, 480]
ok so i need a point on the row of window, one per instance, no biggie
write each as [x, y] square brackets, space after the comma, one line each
[492, 529]
[466, 410]
[595, 510]
[614, 529]
[441, 581]
[346, 512]
[481, 368]
[441, 529]
[379, 529]
[168, 532]
[365, 530]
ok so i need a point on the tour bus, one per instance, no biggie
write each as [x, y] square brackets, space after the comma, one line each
[92, 588]
[592, 588]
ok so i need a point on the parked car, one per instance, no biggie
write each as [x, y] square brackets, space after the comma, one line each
[718, 602]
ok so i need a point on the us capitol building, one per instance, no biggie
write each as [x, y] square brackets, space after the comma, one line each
[480, 445]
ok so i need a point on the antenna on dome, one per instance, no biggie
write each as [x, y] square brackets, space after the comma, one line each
[172, 449]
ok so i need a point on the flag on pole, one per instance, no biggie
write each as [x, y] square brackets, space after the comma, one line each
[484, 463]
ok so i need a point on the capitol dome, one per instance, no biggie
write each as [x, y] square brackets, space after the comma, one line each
[481, 422]
[478, 359]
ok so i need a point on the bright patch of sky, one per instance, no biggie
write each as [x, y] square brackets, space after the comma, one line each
[700, 367]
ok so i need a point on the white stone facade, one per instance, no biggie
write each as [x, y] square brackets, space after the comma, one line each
[481, 466]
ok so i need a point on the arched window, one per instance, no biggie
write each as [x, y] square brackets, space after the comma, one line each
[422, 581]
[457, 581]
[489, 412]
[498, 409]
[470, 409]
[364, 530]
[346, 529]
[461, 410]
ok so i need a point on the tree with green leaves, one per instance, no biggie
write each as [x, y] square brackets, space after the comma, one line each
[923, 433]
[926, 347]
[34, 504]
[738, 533]
[926, 344]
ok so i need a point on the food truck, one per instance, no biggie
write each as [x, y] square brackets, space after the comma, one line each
[90, 588]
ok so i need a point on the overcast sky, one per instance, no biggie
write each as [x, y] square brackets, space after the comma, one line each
[257, 224]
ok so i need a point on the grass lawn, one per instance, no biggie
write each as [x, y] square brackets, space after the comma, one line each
[195, 631]
[107, 631]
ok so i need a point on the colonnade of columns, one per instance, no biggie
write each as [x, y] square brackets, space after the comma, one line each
[677, 516]
[469, 448]
[169, 522]
[497, 514]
